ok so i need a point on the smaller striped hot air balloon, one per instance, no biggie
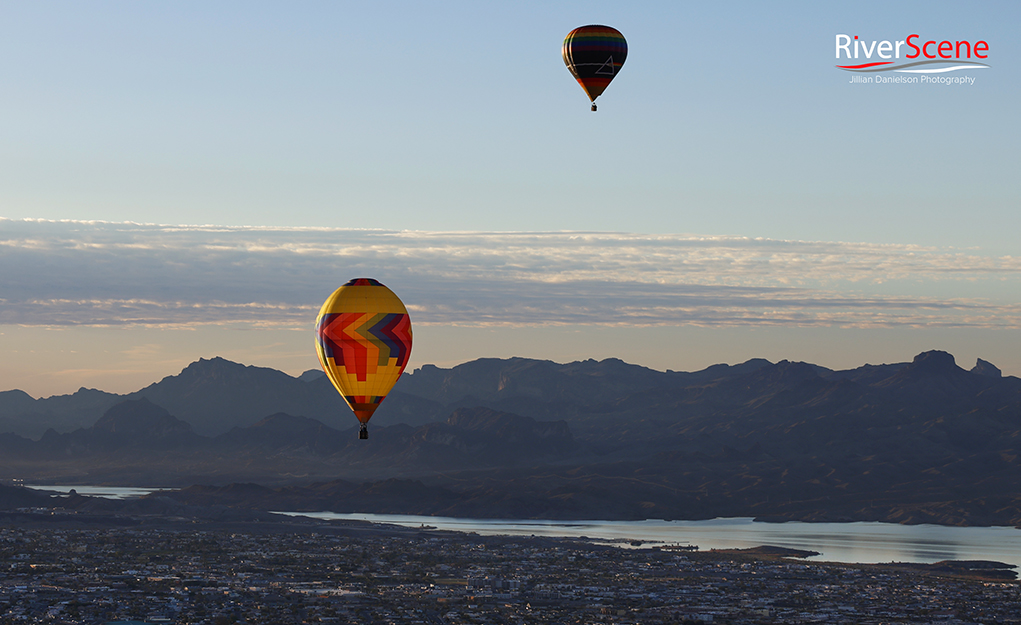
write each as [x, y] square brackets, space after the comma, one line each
[363, 339]
[594, 55]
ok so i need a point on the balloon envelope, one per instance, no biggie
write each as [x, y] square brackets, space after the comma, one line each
[594, 55]
[363, 339]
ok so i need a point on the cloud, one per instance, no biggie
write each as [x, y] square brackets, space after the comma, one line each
[99, 273]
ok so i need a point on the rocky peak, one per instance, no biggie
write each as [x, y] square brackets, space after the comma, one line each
[934, 361]
[983, 367]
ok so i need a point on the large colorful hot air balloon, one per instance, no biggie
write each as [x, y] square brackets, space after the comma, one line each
[594, 54]
[363, 339]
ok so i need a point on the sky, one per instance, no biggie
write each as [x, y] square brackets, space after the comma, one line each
[188, 180]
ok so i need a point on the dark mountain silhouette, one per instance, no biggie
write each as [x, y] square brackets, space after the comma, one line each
[986, 368]
[138, 440]
[283, 430]
[311, 375]
[21, 414]
[924, 441]
[141, 421]
[133, 424]
[214, 396]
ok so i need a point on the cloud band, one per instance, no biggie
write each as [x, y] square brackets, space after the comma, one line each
[97, 273]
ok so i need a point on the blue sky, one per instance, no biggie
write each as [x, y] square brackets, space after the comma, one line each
[733, 197]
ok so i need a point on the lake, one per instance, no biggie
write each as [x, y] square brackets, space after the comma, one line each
[836, 542]
[106, 492]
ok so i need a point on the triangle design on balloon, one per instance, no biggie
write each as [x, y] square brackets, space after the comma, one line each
[606, 68]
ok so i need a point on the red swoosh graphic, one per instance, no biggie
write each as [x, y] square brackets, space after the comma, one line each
[864, 65]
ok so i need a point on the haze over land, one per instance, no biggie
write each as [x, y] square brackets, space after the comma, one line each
[920, 441]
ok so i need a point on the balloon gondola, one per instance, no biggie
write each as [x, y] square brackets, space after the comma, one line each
[363, 340]
[594, 54]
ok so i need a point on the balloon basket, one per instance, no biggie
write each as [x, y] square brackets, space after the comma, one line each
[593, 108]
[363, 432]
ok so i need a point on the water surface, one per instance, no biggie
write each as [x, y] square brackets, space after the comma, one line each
[863, 542]
[107, 492]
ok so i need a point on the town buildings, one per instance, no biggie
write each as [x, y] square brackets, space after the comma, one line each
[331, 574]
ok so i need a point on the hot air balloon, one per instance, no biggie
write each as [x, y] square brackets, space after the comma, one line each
[363, 339]
[594, 54]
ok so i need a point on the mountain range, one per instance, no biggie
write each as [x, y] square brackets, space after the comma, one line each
[920, 441]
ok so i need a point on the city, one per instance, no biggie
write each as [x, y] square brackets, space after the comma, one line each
[184, 571]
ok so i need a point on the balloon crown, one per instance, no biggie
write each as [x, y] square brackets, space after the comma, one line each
[363, 282]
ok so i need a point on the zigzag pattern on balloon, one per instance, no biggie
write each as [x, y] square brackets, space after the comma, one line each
[361, 342]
